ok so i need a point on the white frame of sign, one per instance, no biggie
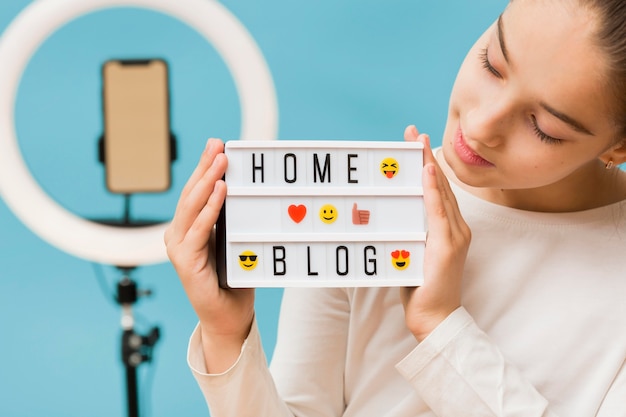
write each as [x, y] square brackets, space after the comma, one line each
[324, 214]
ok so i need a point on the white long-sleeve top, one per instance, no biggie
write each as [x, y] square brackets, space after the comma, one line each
[542, 332]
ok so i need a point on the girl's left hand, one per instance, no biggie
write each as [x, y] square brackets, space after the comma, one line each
[447, 245]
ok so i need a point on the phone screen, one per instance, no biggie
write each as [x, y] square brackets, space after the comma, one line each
[137, 152]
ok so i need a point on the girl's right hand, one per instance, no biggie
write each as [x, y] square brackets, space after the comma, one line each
[447, 244]
[225, 314]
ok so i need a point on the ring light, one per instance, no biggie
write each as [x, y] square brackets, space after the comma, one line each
[61, 228]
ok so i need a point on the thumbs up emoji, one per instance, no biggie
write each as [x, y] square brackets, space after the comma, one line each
[360, 217]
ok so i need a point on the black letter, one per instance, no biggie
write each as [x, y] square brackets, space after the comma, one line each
[369, 260]
[345, 251]
[257, 167]
[280, 260]
[316, 170]
[308, 261]
[295, 171]
[351, 168]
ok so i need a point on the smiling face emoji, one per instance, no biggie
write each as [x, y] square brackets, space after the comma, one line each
[248, 260]
[400, 259]
[389, 167]
[328, 213]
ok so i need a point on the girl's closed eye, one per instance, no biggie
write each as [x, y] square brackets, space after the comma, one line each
[543, 136]
[484, 58]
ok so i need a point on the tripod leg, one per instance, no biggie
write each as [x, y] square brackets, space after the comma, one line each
[131, 391]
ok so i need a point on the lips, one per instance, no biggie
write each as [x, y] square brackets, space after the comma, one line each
[467, 154]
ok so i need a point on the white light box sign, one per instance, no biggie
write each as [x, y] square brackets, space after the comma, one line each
[323, 214]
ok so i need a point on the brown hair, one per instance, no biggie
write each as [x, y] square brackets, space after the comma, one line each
[611, 38]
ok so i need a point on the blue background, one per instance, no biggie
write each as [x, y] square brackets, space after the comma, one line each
[351, 70]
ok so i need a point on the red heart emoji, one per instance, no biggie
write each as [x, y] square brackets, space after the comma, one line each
[405, 254]
[395, 254]
[297, 213]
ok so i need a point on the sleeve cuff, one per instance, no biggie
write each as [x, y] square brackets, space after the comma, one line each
[195, 355]
[434, 343]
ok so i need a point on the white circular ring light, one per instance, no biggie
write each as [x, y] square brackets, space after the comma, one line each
[54, 224]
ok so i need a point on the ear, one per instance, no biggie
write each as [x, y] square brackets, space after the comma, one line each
[617, 153]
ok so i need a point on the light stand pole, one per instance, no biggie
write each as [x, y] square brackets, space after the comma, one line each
[136, 349]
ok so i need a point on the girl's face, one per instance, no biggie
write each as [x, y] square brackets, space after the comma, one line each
[529, 109]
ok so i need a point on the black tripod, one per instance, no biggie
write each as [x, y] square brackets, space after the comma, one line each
[136, 349]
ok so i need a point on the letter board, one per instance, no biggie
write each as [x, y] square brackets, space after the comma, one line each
[323, 214]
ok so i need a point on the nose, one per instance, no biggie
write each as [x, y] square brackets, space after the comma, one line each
[489, 121]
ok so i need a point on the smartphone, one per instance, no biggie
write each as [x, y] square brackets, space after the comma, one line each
[136, 147]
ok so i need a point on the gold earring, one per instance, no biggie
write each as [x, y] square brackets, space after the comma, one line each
[609, 164]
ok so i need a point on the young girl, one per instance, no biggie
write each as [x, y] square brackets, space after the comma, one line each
[528, 320]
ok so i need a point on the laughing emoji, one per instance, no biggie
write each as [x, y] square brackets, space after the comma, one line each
[400, 259]
[389, 167]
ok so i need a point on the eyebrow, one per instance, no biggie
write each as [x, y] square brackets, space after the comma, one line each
[577, 126]
[505, 52]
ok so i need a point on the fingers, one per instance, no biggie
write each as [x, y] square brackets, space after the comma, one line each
[433, 197]
[444, 218]
[438, 197]
[201, 198]
[448, 231]
[213, 148]
[429, 157]
[200, 230]
[411, 134]
[446, 201]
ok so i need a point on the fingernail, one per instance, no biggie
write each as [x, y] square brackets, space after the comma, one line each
[430, 169]
[209, 146]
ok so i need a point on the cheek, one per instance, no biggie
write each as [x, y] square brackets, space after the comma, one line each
[533, 163]
[530, 152]
[461, 90]
[460, 100]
